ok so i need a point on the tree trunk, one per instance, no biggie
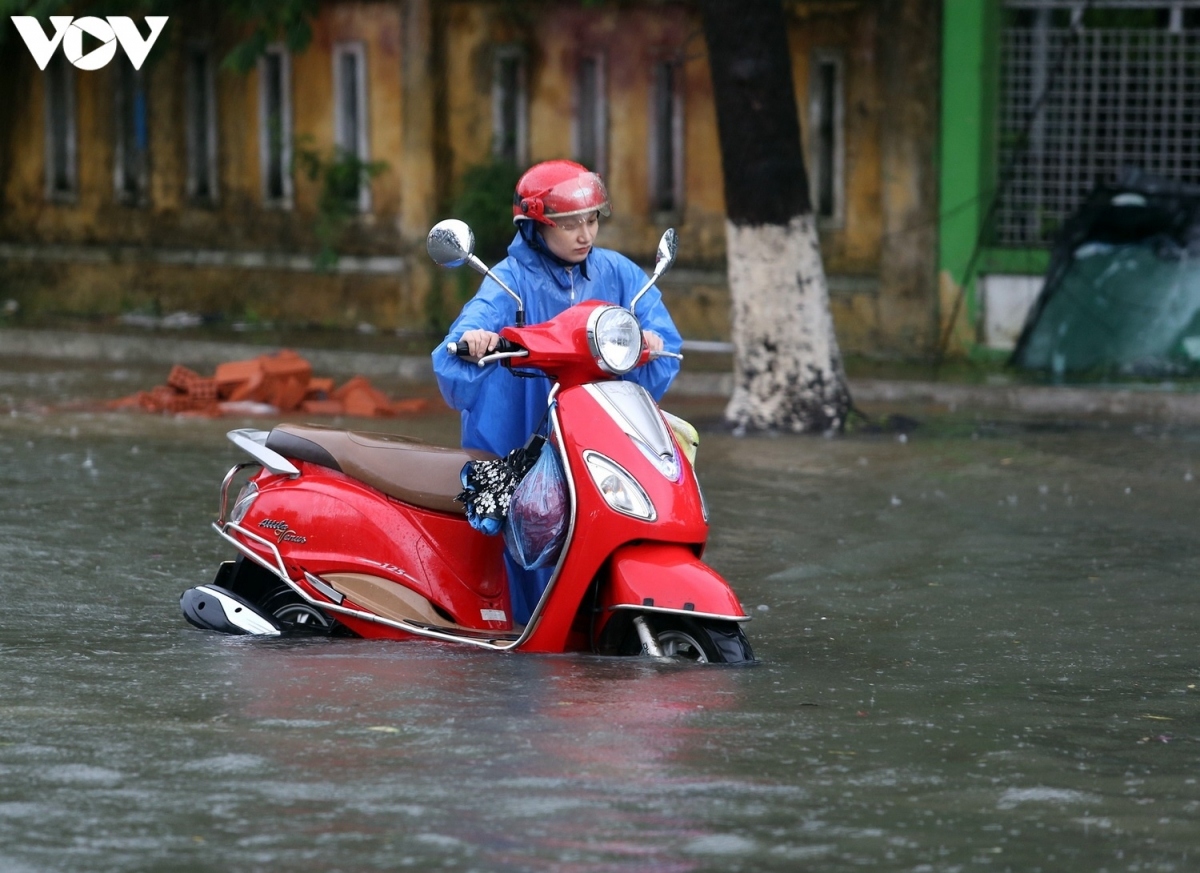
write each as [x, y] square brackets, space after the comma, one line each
[787, 368]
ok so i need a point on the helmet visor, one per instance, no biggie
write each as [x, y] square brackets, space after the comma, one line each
[576, 196]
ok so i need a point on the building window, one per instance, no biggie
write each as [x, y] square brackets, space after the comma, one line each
[60, 130]
[510, 129]
[350, 118]
[275, 126]
[591, 114]
[666, 138]
[201, 127]
[1088, 92]
[826, 137]
[131, 173]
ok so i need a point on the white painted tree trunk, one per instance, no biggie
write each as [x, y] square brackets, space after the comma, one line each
[788, 373]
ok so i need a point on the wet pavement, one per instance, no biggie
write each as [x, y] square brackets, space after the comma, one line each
[978, 643]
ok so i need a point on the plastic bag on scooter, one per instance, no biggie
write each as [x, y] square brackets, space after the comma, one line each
[488, 486]
[537, 513]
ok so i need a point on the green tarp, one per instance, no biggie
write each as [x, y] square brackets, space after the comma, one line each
[1122, 294]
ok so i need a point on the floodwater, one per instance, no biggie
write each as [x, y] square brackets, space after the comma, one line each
[978, 644]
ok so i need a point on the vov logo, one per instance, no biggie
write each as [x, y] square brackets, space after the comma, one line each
[69, 31]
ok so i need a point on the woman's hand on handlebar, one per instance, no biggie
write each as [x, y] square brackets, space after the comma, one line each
[655, 348]
[480, 342]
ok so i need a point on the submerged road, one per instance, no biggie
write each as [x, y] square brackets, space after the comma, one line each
[978, 644]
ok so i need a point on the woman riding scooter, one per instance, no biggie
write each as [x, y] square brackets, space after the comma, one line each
[342, 532]
[552, 264]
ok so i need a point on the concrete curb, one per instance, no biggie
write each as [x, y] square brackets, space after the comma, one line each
[1150, 403]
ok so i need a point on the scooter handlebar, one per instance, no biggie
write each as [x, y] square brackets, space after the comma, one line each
[462, 350]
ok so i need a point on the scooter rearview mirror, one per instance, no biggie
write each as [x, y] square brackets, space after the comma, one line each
[665, 257]
[667, 247]
[451, 243]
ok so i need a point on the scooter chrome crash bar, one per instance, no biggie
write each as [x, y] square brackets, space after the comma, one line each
[280, 570]
[227, 481]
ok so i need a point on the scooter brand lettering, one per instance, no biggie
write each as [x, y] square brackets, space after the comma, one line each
[69, 31]
[283, 533]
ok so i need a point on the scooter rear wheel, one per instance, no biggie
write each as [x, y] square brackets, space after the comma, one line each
[294, 614]
[267, 591]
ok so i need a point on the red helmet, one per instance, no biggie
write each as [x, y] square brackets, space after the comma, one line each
[556, 189]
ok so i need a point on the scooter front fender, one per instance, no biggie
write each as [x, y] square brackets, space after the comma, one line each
[667, 577]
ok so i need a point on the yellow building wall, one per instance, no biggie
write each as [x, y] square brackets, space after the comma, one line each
[631, 40]
[873, 310]
[117, 251]
[430, 68]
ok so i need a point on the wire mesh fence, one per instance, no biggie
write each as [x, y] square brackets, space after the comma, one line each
[1081, 101]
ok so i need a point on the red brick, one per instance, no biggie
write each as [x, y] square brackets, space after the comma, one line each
[318, 386]
[250, 388]
[232, 373]
[182, 378]
[286, 363]
[203, 389]
[286, 392]
[353, 384]
[361, 401]
[323, 407]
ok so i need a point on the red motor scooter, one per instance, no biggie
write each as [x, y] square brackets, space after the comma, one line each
[358, 534]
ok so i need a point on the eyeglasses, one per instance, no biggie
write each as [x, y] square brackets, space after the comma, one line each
[572, 224]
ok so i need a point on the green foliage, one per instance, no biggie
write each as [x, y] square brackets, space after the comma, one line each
[289, 20]
[484, 201]
[42, 9]
[340, 176]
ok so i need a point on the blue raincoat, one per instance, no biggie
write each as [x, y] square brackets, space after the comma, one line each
[499, 410]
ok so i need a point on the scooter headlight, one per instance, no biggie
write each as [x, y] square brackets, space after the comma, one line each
[615, 338]
[619, 489]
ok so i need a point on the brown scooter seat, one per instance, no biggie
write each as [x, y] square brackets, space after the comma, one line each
[409, 470]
